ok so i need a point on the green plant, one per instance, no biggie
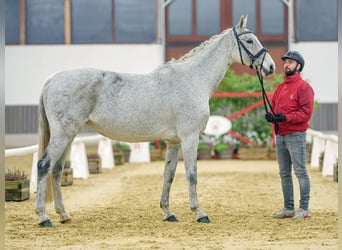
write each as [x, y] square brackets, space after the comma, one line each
[252, 124]
[15, 175]
[67, 164]
[221, 146]
[202, 145]
[122, 146]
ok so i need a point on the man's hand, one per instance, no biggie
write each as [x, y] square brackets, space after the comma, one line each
[279, 117]
[269, 117]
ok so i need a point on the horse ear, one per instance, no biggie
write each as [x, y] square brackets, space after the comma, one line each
[242, 23]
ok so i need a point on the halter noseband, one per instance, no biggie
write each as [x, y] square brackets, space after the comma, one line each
[261, 52]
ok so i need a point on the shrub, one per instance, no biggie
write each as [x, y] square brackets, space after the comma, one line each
[122, 146]
[202, 145]
[67, 164]
[252, 124]
[221, 146]
[15, 175]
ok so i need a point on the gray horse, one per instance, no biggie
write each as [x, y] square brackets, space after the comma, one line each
[170, 103]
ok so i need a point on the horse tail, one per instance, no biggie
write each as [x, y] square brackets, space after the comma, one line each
[44, 138]
[44, 129]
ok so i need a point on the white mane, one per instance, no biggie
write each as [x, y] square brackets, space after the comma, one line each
[203, 45]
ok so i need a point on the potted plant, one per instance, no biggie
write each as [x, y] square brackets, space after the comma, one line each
[126, 150]
[17, 185]
[67, 174]
[94, 163]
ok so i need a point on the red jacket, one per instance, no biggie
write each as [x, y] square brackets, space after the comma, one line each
[295, 99]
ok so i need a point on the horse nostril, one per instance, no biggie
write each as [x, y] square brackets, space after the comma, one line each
[271, 69]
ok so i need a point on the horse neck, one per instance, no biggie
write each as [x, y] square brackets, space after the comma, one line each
[209, 64]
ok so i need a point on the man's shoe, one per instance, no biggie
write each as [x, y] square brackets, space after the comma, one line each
[284, 213]
[301, 214]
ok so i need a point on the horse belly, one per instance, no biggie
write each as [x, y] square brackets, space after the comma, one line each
[133, 130]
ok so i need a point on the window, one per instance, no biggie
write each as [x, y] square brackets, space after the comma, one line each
[12, 21]
[91, 21]
[245, 7]
[193, 19]
[208, 17]
[317, 23]
[272, 17]
[44, 21]
[180, 18]
[135, 21]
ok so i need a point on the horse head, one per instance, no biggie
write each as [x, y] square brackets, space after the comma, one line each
[249, 49]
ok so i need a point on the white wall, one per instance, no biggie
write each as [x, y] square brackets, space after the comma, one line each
[27, 67]
[321, 68]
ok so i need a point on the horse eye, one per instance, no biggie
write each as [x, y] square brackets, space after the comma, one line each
[249, 41]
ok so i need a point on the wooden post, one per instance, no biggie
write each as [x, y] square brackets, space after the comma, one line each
[67, 22]
[22, 27]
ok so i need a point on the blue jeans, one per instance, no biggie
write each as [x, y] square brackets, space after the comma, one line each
[291, 149]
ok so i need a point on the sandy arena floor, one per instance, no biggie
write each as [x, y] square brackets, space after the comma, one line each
[119, 209]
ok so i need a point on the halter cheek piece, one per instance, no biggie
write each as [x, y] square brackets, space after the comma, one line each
[262, 52]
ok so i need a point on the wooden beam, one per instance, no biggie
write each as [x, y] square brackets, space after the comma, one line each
[22, 28]
[67, 22]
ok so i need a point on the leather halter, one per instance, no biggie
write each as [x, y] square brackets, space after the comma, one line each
[261, 52]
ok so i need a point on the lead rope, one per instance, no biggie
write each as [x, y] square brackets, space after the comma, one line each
[258, 70]
[264, 95]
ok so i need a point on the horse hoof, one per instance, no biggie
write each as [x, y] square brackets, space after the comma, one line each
[46, 223]
[67, 221]
[204, 219]
[171, 218]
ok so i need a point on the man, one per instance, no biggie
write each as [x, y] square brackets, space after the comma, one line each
[292, 103]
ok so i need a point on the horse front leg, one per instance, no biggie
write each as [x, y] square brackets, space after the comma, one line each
[189, 146]
[169, 174]
[64, 216]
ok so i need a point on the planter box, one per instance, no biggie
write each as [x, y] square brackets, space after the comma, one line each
[17, 190]
[204, 154]
[156, 155]
[253, 153]
[308, 152]
[226, 154]
[94, 165]
[126, 154]
[320, 161]
[271, 154]
[336, 172]
[118, 158]
[67, 177]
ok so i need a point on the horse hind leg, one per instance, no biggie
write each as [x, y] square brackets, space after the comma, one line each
[46, 165]
[44, 168]
[169, 174]
[57, 191]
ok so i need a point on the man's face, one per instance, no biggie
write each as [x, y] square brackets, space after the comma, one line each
[290, 66]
